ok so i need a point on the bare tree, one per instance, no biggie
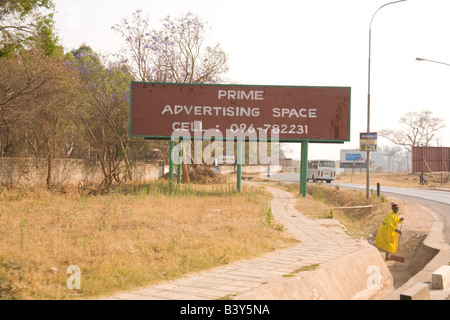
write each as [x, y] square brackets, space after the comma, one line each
[390, 153]
[176, 53]
[421, 130]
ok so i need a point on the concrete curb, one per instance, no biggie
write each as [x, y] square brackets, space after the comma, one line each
[362, 275]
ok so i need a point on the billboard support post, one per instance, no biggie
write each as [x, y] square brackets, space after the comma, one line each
[239, 165]
[304, 169]
[172, 146]
[180, 162]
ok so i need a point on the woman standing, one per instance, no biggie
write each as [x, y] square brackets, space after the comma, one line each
[388, 232]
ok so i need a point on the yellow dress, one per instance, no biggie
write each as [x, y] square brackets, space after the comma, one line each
[387, 238]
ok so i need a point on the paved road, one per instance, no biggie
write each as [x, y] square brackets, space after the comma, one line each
[437, 200]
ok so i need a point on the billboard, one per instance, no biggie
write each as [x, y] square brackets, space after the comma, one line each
[368, 142]
[431, 159]
[352, 158]
[315, 114]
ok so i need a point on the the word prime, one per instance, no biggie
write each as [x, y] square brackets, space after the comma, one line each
[241, 95]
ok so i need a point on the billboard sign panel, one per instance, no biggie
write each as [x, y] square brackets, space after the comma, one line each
[352, 158]
[431, 159]
[315, 114]
[368, 142]
[352, 155]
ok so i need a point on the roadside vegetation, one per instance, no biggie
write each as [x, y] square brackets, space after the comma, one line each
[133, 236]
[393, 179]
[324, 202]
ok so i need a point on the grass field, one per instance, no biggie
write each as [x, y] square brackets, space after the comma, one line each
[394, 179]
[139, 235]
[134, 236]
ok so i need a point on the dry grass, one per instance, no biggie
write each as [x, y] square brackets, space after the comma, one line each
[360, 223]
[132, 237]
[392, 179]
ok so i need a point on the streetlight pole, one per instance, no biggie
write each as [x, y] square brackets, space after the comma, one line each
[368, 97]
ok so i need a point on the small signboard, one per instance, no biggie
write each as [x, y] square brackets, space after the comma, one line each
[368, 142]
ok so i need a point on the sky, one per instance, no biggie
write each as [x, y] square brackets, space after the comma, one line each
[306, 43]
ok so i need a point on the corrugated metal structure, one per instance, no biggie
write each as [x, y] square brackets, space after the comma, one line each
[431, 159]
[286, 164]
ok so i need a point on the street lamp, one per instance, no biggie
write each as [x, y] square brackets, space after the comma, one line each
[421, 59]
[368, 98]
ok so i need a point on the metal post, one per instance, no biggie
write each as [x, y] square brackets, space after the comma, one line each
[172, 146]
[368, 111]
[368, 175]
[180, 160]
[304, 169]
[239, 164]
[368, 98]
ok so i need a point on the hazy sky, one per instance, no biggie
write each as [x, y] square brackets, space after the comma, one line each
[306, 43]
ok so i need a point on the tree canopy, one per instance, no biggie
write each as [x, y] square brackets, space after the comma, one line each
[76, 104]
[421, 129]
[175, 53]
[26, 24]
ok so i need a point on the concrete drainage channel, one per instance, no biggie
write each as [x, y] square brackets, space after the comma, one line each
[362, 275]
[429, 267]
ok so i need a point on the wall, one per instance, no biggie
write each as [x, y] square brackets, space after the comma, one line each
[30, 171]
[245, 169]
[431, 159]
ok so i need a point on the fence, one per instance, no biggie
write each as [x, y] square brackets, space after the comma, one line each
[431, 159]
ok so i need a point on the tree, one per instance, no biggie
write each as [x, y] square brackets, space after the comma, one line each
[176, 53]
[100, 111]
[33, 91]
[391, 152]
[421, 130]
[26, 24]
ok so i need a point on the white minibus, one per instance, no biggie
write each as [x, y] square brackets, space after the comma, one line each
[321, 170]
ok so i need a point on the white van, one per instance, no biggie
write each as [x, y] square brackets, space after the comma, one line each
[321, 170]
